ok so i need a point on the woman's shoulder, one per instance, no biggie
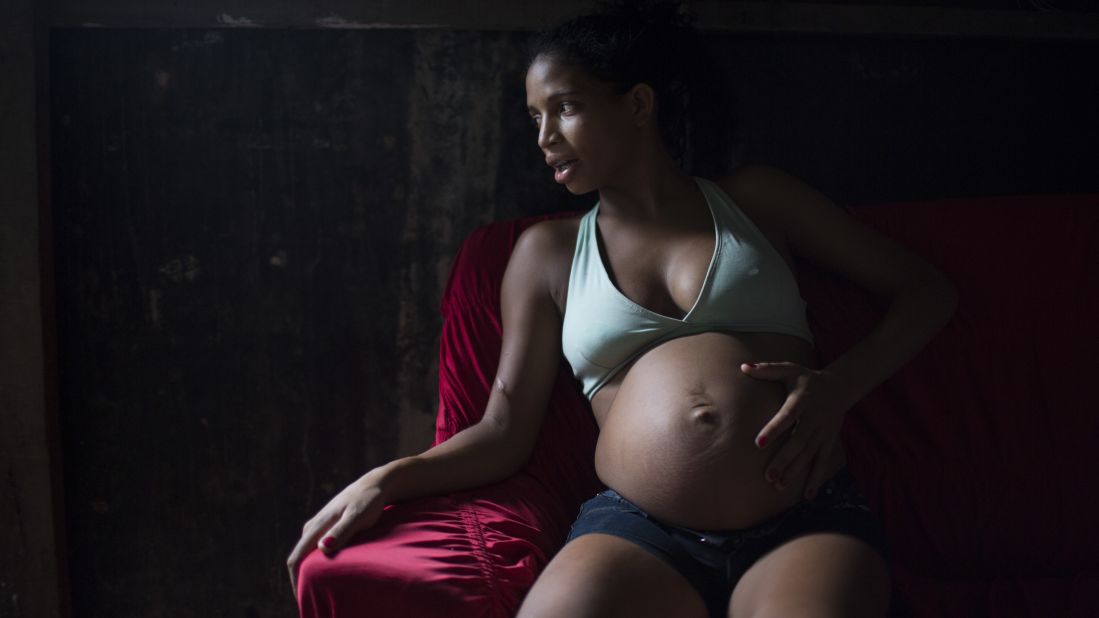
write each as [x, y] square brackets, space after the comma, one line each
[754, 183]
[771, 197]
[552, 243]
[755, 190]
[554, 236]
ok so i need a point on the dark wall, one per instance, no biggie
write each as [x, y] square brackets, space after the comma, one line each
[253, 228]
[868, 119]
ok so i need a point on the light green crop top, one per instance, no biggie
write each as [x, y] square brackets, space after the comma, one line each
[748, 287]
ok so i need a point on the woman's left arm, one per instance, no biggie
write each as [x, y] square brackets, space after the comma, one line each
[922, 301]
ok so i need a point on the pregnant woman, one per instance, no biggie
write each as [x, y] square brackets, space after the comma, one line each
[675, 303]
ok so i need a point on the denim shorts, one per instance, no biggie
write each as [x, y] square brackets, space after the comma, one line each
[714, 560]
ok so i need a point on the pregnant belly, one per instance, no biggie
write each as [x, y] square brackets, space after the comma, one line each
[678, 437]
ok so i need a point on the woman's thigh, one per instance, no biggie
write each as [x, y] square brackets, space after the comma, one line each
[604, 575]
[818, 574]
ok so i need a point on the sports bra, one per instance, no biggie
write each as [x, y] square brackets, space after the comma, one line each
[748, 287]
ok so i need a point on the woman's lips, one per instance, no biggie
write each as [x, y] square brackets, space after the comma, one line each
[564, 176]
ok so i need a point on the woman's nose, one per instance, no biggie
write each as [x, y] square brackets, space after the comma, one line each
[547, 134]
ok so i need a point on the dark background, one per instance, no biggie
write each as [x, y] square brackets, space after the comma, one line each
[251, 228]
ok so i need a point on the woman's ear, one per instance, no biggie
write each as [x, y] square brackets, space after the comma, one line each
[642, 101]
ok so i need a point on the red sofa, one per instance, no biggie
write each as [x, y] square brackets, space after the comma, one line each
[978, 455]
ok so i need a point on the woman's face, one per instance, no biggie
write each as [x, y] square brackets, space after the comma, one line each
[578, 117]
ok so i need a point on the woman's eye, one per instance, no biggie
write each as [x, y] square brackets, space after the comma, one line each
[564, 107]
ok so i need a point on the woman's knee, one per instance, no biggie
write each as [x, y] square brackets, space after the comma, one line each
[605, 575]
[821, 574]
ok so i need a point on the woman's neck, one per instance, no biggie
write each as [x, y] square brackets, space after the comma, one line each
[647, 191]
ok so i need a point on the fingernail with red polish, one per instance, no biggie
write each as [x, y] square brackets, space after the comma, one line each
[328, 541]
[762, 440]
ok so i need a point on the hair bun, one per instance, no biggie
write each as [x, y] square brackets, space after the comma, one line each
[670, 13]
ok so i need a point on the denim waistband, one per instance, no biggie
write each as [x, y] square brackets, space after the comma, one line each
[728, 538]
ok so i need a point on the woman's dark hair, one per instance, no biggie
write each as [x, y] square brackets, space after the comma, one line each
[628, 42]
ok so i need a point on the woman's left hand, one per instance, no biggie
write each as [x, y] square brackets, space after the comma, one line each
[815, 408]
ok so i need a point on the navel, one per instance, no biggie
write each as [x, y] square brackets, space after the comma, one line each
[706, 415]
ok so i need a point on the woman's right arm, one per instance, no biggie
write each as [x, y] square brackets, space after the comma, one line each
[501, 443]
[489, 451]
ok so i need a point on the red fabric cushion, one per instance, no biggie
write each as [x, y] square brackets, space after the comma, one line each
[975, 454]
[470, 553]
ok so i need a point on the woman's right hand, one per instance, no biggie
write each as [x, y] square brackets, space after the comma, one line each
[355, 508]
